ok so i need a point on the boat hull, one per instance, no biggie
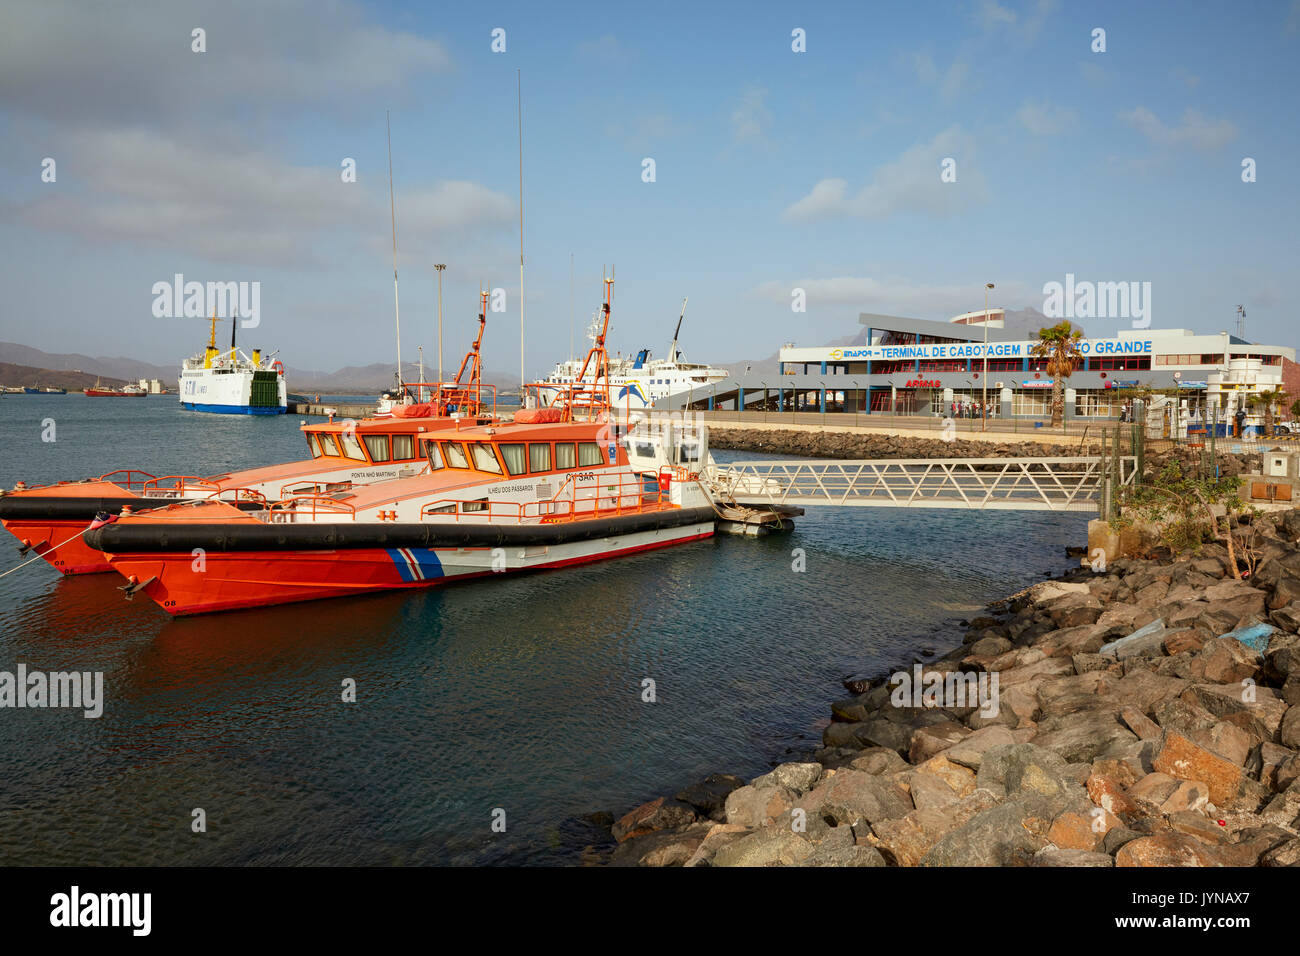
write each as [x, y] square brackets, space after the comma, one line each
[60, 543]
[233, 409]
[202, 568]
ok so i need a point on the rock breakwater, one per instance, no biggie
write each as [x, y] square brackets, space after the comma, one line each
[1147, 714]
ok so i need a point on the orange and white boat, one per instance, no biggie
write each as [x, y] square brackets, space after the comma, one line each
[52, 520]
[559, 485]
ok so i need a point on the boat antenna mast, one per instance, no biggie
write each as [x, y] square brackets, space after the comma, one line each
[519, 93]
[392, 212]
[597, 356]
[672, 350]
[461, 392]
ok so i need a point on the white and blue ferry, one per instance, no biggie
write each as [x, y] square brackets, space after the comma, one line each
[232, 382]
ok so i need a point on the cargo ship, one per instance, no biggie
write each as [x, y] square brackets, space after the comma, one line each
[232, 383]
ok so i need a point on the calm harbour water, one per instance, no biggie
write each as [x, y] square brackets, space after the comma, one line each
[521, 693]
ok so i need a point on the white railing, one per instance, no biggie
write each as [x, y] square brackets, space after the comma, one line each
[1033, 484]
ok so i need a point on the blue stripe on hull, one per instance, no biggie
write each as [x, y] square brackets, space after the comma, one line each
[416, 564]
[235, 409]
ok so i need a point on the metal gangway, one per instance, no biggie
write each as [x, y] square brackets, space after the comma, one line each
[991, 484]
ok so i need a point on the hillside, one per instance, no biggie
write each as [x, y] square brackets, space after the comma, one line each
[12, 375]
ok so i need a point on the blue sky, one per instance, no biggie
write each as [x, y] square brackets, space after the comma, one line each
[775, 170]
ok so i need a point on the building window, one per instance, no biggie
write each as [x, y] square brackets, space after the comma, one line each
[1095, 404]
[946, 365]
[1119, 363]
[999, 365]
[1032, 401]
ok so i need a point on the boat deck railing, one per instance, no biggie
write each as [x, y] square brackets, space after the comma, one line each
[629, 494]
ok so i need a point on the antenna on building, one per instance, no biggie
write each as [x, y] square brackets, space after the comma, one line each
[1241, 322]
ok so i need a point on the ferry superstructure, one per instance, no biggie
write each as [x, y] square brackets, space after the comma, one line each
[640, 382]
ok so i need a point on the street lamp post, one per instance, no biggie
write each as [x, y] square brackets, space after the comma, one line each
[984, 382]
[823, 402]
[440, 267]
[764, 384]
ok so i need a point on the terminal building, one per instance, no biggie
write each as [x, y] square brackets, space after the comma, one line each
[911, 366]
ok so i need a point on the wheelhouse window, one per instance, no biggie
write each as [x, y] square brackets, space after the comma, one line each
[377, 445]
[454, 452]
[404, 448]
[351, 447]
[564, 455]
[313, 445]
[327, 445]
[484, 460]
[434, 456]
[589, 454]
[539, 456]
[515, 457]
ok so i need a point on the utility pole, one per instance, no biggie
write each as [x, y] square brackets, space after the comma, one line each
[440, 267]
[984, 382]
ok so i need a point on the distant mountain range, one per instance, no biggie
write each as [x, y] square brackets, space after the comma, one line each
[28, 366]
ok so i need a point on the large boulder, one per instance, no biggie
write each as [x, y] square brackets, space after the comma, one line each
[1082, 736]
[659, 814]
[758, 806]
[853, 797]
[1008, 834]
[1172, 848]
[774, 846]
[709, 796]
[1179, 757]
[799, 777]
[907, 839]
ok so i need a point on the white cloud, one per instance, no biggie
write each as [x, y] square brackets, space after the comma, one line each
[1023, 25]
[893, 294]
[1044, 118]
[607, 50]
[908, 184]
[751, 119]
[645, 131]
[239, 204]
[1194, 130]
[105, 63]
[948, 82]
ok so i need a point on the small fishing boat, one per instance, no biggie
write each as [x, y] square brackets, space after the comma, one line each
[126, 391]
[560, 485]
[52, 520]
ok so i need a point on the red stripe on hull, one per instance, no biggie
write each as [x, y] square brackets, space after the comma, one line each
[63, 549]
[235, 581]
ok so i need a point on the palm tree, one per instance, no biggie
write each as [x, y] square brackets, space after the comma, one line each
[1270, 399]
[1060, 346]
